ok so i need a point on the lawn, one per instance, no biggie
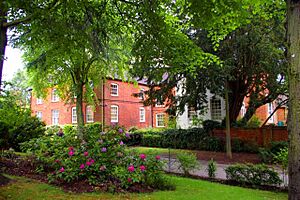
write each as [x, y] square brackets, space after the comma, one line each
[160, 151]
[23, 188]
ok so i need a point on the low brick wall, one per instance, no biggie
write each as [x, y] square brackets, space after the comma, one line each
[261, 136]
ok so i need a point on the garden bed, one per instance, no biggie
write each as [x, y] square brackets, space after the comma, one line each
[22, 166]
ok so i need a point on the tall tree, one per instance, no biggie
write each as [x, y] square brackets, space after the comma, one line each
[74, 47]
[293, 36]
[16, 13]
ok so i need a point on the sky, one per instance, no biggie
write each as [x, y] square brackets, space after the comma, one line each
[12, 63]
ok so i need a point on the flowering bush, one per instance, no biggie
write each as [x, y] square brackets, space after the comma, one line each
[97, 159]
[139, 168]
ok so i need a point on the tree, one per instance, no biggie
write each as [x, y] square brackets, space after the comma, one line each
[17, 13]
[293, 37]
[74, 48]
[250, 58]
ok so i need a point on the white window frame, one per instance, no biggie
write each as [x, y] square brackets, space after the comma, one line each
[270, 111]
[39, 115]
[192, 113]
[74, 115]
[243, 110]
[216, 112]
[157, 116]
[114, 91]
[54, 96]
[115, 119]
[39, 101]
[55, 117]
[89, 114]
[142, 114]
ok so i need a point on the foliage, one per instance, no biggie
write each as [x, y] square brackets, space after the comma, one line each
[209, 125]
[193, 138]
[211, 168]
[187, 162]
[267, 155]
[282, 158]
[239, 145]
[252, 174]
[254, 122]
[16, 124]
[99, 158]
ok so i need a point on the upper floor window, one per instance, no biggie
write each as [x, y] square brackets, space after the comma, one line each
[54, 96]
[114, 114]
[142, 94]
[39, 114]
[270, 111]
[159, 102]
[142, 115]
[74, 115]
[39, 101]
[216, 109]
[55, 117]
[114, 89]
[160, 120]
[89, 114]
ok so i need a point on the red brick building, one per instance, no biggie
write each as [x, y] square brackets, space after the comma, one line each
[117, 105]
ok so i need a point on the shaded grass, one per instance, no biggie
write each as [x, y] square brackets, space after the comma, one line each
[24, 189]
[159, 151]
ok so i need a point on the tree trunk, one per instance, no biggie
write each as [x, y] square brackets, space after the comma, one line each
[79, 111]
[3, 41]
[236, 98]
[293, 37]
[228, 137]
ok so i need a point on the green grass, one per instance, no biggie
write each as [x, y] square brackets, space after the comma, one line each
[25, 189]
[160, 151]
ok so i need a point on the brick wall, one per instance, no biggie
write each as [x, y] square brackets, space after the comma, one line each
[261, 136]
[128, 106]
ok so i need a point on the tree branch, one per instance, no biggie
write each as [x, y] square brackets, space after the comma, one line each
[17, 22]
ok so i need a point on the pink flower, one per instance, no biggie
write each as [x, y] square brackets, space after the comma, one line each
[142, 168]
[71, 153]
[71, 148]
[81, 166]
[129, 180]
[121, 143]
[104, 149]
[127, 135]
[86, 153]
[62, 169]
[120, 130]
[143, 156]
[57, 161]
[157, 157]
[103, 168]
[88, 163]
[91, 160]
[131, 168]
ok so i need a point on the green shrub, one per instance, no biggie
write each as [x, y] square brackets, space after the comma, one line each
[239, 145]
[254, 122]
[213, 144]
[99, 158]
[282, 158]
[265, 155]
[187, 162]
[25, 129]
[252, 174]
[276, 147]
[211, 168]
[209, 125]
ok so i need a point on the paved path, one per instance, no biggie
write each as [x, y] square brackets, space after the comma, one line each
[172, 165]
